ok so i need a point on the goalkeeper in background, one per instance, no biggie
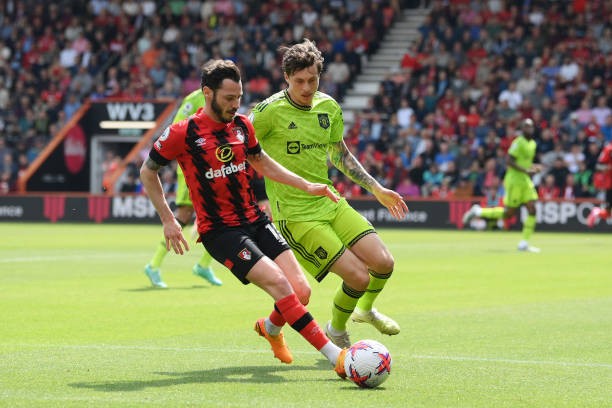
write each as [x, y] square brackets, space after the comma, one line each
[518, 185]
[184, 210]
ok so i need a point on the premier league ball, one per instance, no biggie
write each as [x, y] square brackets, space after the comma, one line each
[367, 363]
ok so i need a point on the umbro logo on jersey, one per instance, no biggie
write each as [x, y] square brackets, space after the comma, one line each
[200, 142]
[292, 126]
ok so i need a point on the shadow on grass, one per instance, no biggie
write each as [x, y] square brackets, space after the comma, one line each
[242, 374]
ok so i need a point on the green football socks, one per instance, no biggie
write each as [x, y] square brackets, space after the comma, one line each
[377, 283]
[205, 260]
[529, 226]
[160, 254]
[345, 301]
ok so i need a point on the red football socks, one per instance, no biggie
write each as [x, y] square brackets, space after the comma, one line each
[298, 317]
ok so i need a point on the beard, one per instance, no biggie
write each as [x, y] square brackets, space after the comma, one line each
[216, 108]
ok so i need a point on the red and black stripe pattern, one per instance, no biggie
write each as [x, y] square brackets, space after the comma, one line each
[213, 157]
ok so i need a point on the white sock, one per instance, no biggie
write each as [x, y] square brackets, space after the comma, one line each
[271, 328]
[331, 352]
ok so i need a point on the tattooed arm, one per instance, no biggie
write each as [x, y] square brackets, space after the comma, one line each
[343, 159]
[172, 229]
[348, 164]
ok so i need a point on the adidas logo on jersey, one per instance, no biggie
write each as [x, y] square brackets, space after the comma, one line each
[292, 126]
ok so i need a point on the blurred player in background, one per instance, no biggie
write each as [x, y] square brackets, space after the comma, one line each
[184, 209]
[301, 128]
[213, 147]
[519, 188]
[603, 181]
[493, 196]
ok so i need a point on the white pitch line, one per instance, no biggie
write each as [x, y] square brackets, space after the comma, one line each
[262, 351]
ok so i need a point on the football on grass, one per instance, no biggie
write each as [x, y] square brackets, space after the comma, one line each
[367, 363]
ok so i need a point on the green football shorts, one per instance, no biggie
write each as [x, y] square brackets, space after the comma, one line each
[518, 194]
[182, 192]
[318, 244]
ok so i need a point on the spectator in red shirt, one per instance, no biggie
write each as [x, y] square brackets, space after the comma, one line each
[569, 189]
[548, 190]
[413, 60]
[472, 119]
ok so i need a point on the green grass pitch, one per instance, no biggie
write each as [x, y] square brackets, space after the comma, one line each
[482, 325]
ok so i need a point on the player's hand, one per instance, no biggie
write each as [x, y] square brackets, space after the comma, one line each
[319, 189]
[173, 232]
[535, 168]
[393, 202]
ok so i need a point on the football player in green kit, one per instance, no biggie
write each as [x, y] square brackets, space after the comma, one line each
[518, 185]
[184, 209]
[302, 128]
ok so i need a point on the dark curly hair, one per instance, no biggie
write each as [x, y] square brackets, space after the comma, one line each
[215, 71]
[301, 56]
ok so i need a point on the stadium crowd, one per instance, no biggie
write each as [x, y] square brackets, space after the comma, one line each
[54, 55]
[439, 126]
[442, 122]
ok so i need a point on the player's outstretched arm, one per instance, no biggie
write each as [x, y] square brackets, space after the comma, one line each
[172, 229]
[346, 162]
[268, 167]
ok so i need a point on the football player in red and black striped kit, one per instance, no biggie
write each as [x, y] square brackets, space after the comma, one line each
[603, 181]
[215, 148]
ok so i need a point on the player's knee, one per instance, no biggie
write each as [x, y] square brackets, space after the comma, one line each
[276, 281]
[354, 272]
[303, 294]
[384, 264]
[531, 208]
[360, 280]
